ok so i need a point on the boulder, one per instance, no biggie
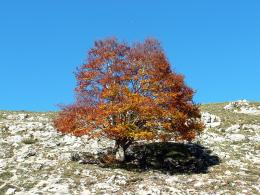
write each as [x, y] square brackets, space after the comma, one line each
[210, 120]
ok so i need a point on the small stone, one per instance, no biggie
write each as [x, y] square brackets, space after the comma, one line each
[77, 172]
[2, 163]
[233, 128]
[236, 137]
[15, 138]
[30, 153]
[228, 172]
[37, 167]
[86, 192]
[198, 184]
[10, 191]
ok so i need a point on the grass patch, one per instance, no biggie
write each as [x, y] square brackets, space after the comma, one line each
[6, 175]
[71, 167]
[8, 150]
[29, 185]
[3, 131]
[29, 141]
[228, 117]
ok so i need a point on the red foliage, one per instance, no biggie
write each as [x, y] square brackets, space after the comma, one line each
[129, 92]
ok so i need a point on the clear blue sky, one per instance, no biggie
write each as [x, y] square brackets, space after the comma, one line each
[215, 44]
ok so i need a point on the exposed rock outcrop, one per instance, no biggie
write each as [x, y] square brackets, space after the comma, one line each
[210, 120]
[243, 106]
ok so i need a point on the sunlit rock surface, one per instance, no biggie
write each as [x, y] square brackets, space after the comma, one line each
[243, 106]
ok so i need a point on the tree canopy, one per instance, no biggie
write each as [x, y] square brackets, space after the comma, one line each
[129, 92]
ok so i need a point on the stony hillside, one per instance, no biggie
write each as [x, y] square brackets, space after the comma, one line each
[224, 159]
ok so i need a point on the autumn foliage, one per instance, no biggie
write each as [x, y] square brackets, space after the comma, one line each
[129, 92]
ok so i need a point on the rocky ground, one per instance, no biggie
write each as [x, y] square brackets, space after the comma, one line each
[224, 159]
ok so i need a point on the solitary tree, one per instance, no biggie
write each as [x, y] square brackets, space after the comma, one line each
[127, 93]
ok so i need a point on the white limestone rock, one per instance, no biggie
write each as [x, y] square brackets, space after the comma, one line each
[236, 137]
[3, 164]
[251, 126]
[10, 191]
[210, 120]
[242, 106]
[233, 129]
[20, 116]
[211, 138]
[236, 104]
[15, 138]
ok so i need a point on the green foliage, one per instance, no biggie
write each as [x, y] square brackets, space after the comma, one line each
[29, 140]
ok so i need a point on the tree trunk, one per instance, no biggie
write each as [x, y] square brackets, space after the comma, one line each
[120, 148]
[120, 153]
